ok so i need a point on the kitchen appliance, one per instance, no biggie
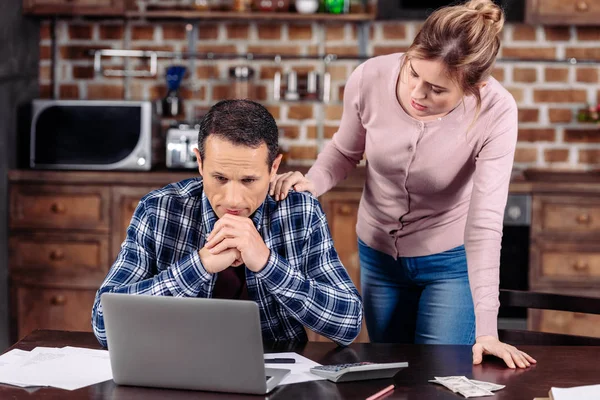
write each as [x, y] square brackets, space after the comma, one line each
[181, 142]
[92, 135]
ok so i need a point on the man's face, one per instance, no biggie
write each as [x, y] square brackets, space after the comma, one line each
[236, 178]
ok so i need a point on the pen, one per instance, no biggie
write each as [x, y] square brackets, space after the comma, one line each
[381, 393]
[280, 361]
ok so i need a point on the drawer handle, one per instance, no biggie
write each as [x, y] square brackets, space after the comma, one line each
[58, 300]
[57, 255]
[583, 219]
[582, 6]
[345, 210]
[581, 266]
[58, 208]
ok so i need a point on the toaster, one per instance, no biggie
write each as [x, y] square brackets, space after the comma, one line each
[181, 142]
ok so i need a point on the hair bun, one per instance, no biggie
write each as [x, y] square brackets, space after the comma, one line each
[489, 10]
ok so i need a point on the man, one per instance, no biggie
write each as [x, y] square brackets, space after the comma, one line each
[222, 236]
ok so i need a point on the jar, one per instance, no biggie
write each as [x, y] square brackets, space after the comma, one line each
[241, 86]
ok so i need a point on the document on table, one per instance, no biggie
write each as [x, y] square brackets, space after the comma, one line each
[590, 392]
[66, 368]
[300, 370]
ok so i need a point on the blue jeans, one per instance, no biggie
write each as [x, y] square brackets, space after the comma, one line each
[424, 300]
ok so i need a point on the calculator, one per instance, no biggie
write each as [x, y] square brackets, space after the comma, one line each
[358, 371]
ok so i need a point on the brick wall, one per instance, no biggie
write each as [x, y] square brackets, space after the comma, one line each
[548, 94]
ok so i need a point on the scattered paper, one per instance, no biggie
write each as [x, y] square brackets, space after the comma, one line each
[467, 387]
[590, 392]
[66, 368]
[300, 370]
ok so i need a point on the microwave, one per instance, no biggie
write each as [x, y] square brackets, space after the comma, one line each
[514, 10]
[92, 135]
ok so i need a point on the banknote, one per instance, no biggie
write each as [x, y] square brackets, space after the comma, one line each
[467, 388]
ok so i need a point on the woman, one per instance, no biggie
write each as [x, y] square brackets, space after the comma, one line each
[439, 135]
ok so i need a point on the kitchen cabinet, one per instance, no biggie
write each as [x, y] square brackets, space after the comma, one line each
[563, 12]
[74, 7]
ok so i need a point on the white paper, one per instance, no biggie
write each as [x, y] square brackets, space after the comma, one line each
[8, 361]
[590, 392]
[300, 370]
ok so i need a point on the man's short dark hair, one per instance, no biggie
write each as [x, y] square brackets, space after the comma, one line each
[241, 122]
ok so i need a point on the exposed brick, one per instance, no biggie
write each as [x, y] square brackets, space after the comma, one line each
[274, 110]
[394, 30]
[80, 32]
[137, 90]
[592, 53]
[588, 75]
[142, 32]
[268, 71]
[338, 72]
[300, 111]
[525, 155]
[174, 32]
[45, 31]
[556, 74]
[528, 114]
[589, 156]
[559, 96]
[300, 31]
[78, 52]
[112, 32]
[219, 49]
[382, 50]
[260, 93]
[208, 31]
[283, 50]
[237, 31]
[289, 131]
[45, 91]
[523, 32]
[45, 73]
[220, 92]
[588, 33]
[334, 32]
[68, 91]
[158, 91]
[269, 31]
[354, 31]
[45, 53]
[200, 111]
[188, 94]
[529, 53]
[557, 33]
[498, 73]
[303, 152]
[556, 155]
[103, 91]
[524, 74]
[582, 135]
[207, 72]
[517, 93]
[560, 115]
[83, 72]
[153, 47]
[333, 112]
[346, 50]
[340, 91]
[537, 135]
[328, 131]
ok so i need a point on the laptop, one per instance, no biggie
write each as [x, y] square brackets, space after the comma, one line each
[187, 343]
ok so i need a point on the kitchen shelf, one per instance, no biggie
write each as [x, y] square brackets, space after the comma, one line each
[233, 15]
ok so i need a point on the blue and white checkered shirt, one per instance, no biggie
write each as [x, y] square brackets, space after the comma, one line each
[302, 284]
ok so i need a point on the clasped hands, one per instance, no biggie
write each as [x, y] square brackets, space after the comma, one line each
[234, 241]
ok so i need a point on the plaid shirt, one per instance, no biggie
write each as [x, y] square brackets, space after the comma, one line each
[303, 283]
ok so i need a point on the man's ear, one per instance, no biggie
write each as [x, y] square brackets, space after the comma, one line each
[199, 161]
[275, 166]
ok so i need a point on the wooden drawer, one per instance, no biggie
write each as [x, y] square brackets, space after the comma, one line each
[568, 323]
[42, 308]
[559, 263]
[59, 253]
[563, 12]
[568, 215]
[60, 207]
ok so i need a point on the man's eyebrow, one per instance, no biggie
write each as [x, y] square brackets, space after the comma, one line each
[432, 84]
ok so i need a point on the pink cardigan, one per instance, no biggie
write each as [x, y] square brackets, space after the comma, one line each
[430, 186]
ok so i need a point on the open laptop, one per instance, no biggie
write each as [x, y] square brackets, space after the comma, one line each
[187, 343]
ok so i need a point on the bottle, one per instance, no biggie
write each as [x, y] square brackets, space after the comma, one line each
[336, 6]
[242, 87]
[172, 104]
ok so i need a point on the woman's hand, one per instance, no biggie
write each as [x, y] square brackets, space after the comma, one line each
[281, 184]
[510, 354]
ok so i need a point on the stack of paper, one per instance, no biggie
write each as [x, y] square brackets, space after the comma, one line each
[299, 371]
[467, 387]
[67, 368]
[591, 392]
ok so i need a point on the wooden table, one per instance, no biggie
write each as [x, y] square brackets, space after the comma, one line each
[557, 366]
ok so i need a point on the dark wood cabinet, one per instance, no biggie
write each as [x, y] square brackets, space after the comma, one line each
[74, 7]
[563, 12]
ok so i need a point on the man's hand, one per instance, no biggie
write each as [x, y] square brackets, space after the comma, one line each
[240, 234]
[510, 354]
[215, 263]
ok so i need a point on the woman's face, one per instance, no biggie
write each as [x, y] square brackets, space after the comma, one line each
[425, 91]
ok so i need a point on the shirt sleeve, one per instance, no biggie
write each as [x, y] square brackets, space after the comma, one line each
[319, 294]
[346, 148]
[483, 232]
[134, 271]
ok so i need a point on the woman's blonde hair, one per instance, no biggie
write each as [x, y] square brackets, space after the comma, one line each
[466, 38]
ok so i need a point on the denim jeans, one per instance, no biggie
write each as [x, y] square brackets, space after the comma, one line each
[423, 300]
